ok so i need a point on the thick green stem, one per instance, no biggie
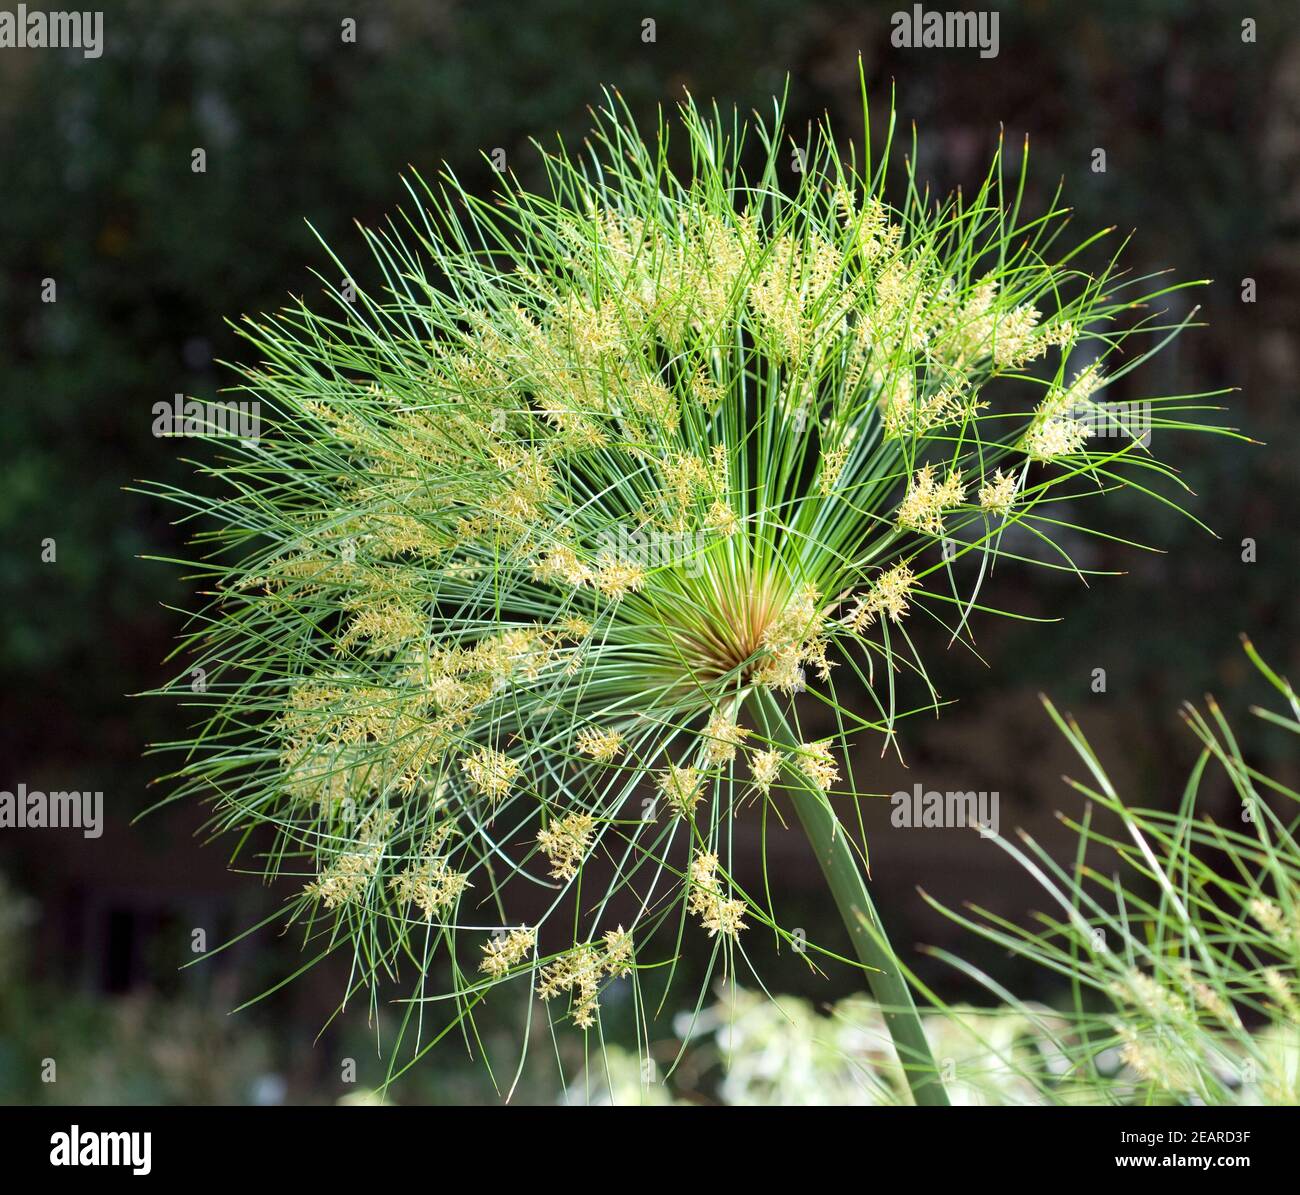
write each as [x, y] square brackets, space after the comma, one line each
[834, 851]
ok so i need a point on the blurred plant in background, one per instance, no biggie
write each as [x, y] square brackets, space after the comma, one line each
[1179, 936]
[75, 1049]
[545, 536]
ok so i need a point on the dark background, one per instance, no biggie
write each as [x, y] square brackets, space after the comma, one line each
[150, 260]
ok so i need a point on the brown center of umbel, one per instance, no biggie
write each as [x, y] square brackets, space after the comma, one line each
[726, 629]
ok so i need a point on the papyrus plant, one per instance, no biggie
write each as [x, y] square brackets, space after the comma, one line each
[1176, 931]
[564, 541]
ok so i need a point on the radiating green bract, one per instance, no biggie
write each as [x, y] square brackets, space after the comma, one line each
[528, 530]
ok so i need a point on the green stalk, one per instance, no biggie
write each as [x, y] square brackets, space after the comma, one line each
[834, 853]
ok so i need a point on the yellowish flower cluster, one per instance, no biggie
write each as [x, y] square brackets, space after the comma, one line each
[721, 518]
[391, 513]
[722, 738]
[650, 399]
[560, 564]
[1208, 999]
[490, 772]
[903, 414]
[832, 466]
[998, 494]
[705, 389]
[686, 478]
[416, 720]
[978, 328]
[714, 265]
[566, 842]
[676, 282]
[793, 640]
[604, 746]
[1060, 335]
[580, 971]
[683, 787]
[1148, 994]
[331, 710]
[887, 596]
[618, 952]
[1055, 437]
[524, 484]
[351, 872]
[765, 767]
[788, 295]
[462, 677]
[717, 914]
[667, 282]
[926, 501]
[874, 235]
[389, 626]
[1271, 919]
[430, 884]
[327, 778]
[613, 577]
[511, 499]
[1162, 1004]
[503, 951]
[1153, 1063]
[683, 476]
[1013, 340]
[894, 298]
[333, 728]
[617, 578]
[1283, 992]
[818, 764]
[585, 366]
[1055, 430]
